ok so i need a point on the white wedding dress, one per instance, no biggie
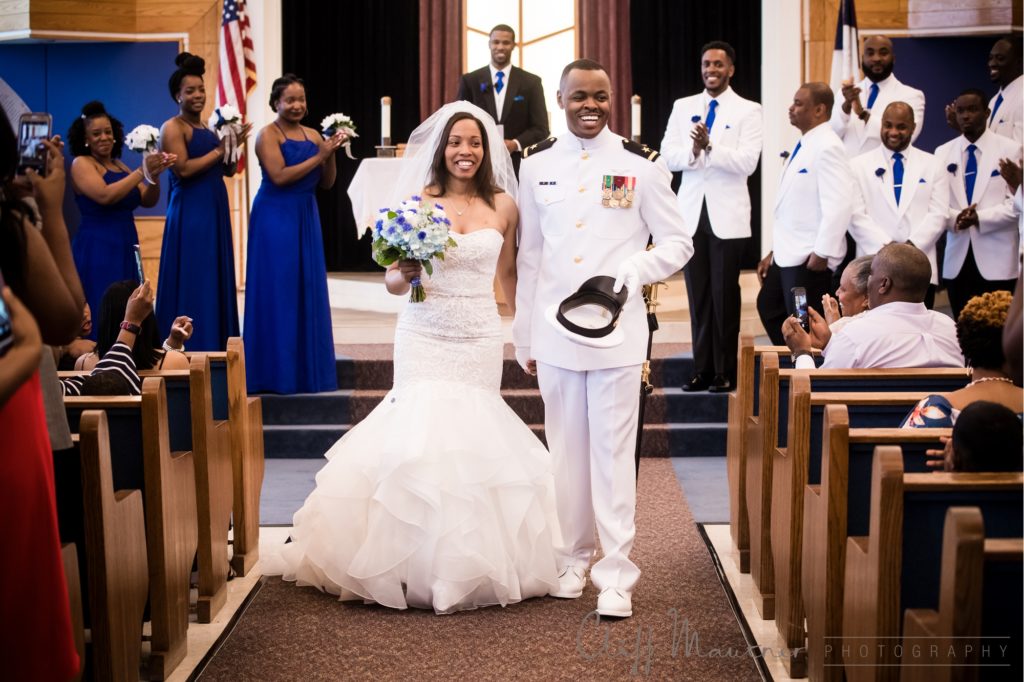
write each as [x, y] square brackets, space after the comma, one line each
[441, 497]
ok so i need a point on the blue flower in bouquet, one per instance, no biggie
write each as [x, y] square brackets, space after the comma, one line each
[414, 230]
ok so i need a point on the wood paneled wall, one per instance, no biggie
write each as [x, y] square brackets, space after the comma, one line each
[924, 17]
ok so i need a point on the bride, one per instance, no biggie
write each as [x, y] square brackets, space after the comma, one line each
[441, 497]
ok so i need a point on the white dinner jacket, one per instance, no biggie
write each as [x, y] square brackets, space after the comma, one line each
[920, 216]
[1008, 119]
[859, 137]
[996, 241]
[814, 201]
[566, 236]
[719, 176]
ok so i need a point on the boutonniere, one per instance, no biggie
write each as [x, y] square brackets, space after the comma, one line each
[879, 172]
[484, 86]
[694, 118]
[784, 155]
[951, 168]
[518, 98]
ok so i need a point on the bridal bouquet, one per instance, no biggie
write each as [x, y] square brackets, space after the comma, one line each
[226, 120]
[415, 230]
[340, 123]
[143, 139]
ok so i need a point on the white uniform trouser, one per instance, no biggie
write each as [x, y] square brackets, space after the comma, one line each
[590, 421]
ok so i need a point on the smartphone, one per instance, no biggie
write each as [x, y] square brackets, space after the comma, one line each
[800, 304]
[138, 263]
[32, 130]
[6, 333]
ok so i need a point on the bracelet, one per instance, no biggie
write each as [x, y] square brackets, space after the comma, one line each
[168, 347]
[131, 327]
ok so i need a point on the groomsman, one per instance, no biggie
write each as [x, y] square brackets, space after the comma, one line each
[588, 203]
[857, 120]
[982, 240]
[513, 97]
[812, 212]
[714, 138]
[1006, 108]
[903, 193]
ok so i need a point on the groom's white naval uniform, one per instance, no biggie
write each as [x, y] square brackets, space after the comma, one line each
[591, 395]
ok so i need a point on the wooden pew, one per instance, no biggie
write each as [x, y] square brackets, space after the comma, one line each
[976, 573]
[897, 565]
[141, 457]
[838, 506]
[768, 431]
[116, 550]
[245, 417]
[192, 427]
[796, 465]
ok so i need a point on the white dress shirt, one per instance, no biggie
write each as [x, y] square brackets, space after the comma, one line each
[717, 175]
[1007, 120]
[899, 334]
[499, 97]
[859, 136]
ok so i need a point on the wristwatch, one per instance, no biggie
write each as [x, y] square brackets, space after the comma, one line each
[131, 327]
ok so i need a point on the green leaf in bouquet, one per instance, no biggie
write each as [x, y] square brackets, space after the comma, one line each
[451, 242]
[384, 254]
[428, 266]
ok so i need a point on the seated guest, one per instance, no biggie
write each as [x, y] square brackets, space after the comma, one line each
[987, 438]
[118, 362]
[903, 193]
[898, 331]
[852, 294]
[67, 356]
[980, 334]
[147, 353]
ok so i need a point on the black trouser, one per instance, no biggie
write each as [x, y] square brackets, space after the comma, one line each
[713, 289]
[775, 301]
[969, 283]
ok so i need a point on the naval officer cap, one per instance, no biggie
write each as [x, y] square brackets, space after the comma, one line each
[590, 316]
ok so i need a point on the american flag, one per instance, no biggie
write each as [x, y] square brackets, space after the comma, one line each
[846, 54]
[237, 59]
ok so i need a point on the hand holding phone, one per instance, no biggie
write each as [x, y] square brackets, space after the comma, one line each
[800, 305]
[32, 130]
[137, 250]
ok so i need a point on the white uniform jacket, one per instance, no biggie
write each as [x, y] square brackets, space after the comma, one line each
[719, 176]
[858, 136]
[996, 240]
[1007, 120]
[814, 201]
[920, 216]
[566, 236]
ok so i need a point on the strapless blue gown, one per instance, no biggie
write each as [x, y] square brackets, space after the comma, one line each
[103, 247]
[289, 343]
[197, 269]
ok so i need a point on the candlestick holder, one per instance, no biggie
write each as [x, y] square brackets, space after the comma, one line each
[386, 151]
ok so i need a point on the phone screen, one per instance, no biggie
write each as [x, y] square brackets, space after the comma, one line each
[800, 303]
[138, 263]
[32, 130]
[6, 333]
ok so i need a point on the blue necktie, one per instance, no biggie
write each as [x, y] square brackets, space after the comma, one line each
[999, 100]
[971, 172]
[500, 84]
[710, 120]
[897, 175]
[873, 95]
[793, 155]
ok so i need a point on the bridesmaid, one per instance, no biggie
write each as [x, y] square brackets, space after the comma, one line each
[107, 193]
[289, 345]
[197, 270]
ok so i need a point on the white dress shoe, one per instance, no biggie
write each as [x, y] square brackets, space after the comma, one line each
[615, 603]
[570, 583]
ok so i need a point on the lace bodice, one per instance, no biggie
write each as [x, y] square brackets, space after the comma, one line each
[460, 294]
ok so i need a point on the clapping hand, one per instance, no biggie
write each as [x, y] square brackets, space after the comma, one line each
[1011, 172]
[951, 117]
[851, 98]
[181, 331]
[331, 144]
[967, 218]
[831, 308]
[158, 162]
[700, 138]
[941, 459]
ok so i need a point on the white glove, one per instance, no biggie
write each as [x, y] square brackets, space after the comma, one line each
[523, 357]
[629, 277]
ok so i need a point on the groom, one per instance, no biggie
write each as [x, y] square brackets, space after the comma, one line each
[591, 395]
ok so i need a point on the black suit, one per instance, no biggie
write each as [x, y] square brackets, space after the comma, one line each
[524, 115]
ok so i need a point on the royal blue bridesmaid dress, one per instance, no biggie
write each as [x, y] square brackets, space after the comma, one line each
[289, 344]
[197, 269]
[103, 246]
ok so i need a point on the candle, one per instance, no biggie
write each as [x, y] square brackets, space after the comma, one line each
[385, 120]
[636, 117]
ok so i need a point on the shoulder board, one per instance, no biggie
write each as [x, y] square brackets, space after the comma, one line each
[640, 150]
[539, 147]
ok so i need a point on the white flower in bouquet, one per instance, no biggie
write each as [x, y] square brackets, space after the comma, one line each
[143, 139]
[223, 115]
[338, 123]
[414, 230]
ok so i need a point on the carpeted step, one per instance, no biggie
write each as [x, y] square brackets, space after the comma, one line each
[301, 441]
